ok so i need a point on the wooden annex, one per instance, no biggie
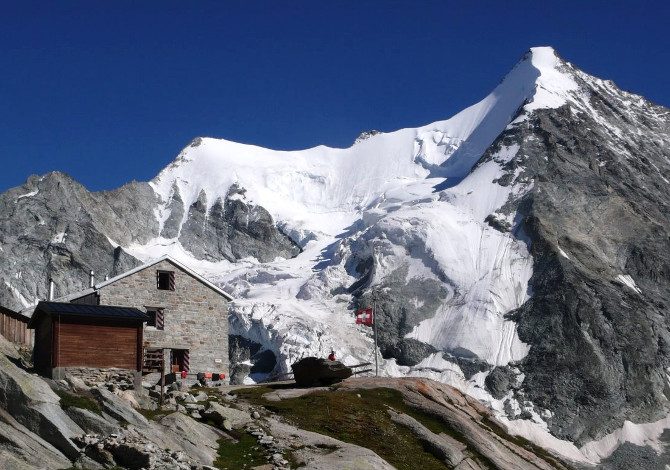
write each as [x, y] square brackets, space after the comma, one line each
[14, 327]
[78, 335]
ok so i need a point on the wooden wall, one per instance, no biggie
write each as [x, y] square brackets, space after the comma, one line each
[83, 342]
[14, 327]
[43, 345]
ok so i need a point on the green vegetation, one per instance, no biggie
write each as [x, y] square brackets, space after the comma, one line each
[70, 400]
[156, 414]
[360, 418]
[243, 454]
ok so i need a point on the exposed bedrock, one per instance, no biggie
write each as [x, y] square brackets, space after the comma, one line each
[53, 227]
[599, 223]
[233, 229]
[400, 304]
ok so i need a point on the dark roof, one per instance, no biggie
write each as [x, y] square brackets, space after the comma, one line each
[13, 314]
[82, 310]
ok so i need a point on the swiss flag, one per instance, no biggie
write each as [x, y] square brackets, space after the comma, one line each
[364, 316]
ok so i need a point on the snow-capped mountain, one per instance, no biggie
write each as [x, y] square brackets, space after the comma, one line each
[518, 250]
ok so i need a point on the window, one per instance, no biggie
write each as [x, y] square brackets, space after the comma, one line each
[179, 360]
[165, 280]
[156, 318]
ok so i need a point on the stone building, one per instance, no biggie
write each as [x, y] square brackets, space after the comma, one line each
[188, 315]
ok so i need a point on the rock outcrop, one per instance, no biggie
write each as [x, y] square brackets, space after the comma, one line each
[53, 227]
[477, 429]
[22, 449]
[598, 225]
[30, 401]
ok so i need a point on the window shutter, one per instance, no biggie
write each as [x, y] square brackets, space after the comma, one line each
[186, 361]
[160, 324]
[171, 282]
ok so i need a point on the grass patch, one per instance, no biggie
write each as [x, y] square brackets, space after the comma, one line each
[363, 421]
[70, 400]
[154, 415]
[243, 454]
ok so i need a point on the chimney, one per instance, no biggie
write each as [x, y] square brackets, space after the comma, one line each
[107, 277]
[51, 289]
[91, 279]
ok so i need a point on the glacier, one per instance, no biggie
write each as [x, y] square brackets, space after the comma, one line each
[380, 192]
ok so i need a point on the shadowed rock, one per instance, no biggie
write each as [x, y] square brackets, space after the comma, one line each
[312, 371]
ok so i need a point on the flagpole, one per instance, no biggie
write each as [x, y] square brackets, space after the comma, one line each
[374, 308]
[374, 324]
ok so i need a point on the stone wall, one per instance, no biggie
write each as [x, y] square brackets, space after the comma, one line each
[106, 377]
[195, 316]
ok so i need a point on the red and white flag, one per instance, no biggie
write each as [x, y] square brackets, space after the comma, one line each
[365, 316]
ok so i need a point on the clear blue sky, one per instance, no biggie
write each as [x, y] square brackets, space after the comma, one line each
[111, 91]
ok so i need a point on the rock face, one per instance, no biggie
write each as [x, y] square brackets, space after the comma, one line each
[395, 301]
[30, 401]
[233, 229]
[21, 449]
[598, 222]
[317, 371]
[248, 357]
[52, 227]
[475, 426]
[318, 452]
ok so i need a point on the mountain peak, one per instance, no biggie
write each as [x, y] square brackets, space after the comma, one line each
[546, 79]
[543, 53]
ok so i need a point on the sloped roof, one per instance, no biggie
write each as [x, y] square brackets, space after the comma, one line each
[28, 311]
[12, 314]
[89, 311]
[168, 258]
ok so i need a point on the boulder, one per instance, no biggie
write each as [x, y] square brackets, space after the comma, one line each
[313, 371]
[202, 396]
[91, 422]
[150, 380]
[29, 400]
[76, 383]
[119, 408]
[228, 418]
[197, 439]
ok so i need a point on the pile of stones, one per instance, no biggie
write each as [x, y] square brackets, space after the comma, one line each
[111, 379]
[132, 451]
[274, 451]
